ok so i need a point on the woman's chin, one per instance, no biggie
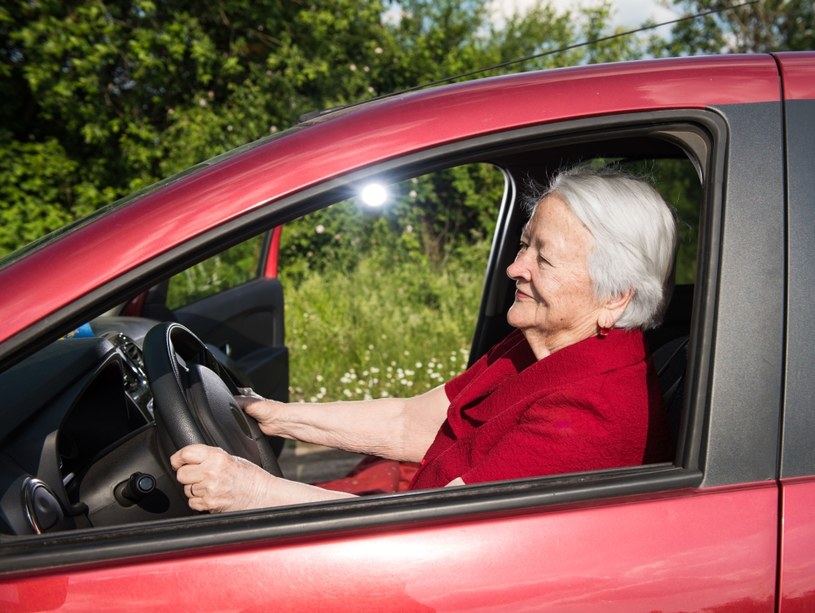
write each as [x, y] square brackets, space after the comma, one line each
[515, 320]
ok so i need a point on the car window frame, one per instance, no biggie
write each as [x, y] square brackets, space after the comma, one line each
[464, 503]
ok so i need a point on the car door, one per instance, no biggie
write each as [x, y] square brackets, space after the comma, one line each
[234, 302]
[699, 533]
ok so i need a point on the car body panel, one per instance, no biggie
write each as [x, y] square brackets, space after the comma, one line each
[192, 205]
[796, 592]
[684, 551]
[798, 73]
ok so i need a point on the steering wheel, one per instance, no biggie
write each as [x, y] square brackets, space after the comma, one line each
[193, 399]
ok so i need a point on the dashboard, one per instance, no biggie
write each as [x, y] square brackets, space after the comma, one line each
[78, 444]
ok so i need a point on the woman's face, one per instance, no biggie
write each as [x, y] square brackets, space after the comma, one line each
[555, 305]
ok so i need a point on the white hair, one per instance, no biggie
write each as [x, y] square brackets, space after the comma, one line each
[634, 233]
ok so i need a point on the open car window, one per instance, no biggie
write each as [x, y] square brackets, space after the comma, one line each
[235, 266]
[383, 300]
[382, 297]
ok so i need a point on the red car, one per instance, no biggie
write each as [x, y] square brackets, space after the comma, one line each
[90, 513]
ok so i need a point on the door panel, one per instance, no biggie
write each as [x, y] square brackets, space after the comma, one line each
[245, 323]
[693, 550]
[234, 304]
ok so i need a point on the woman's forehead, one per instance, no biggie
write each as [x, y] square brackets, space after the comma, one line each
[554, 218]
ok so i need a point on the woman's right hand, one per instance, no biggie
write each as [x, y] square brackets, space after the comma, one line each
[216, 481]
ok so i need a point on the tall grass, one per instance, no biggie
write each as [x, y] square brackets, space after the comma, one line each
[383, 328]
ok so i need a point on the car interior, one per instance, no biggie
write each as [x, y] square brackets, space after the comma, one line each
[84, 443]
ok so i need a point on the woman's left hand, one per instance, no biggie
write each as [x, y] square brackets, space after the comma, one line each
[216, 481]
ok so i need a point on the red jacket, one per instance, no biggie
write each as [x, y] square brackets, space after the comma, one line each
[593, 405]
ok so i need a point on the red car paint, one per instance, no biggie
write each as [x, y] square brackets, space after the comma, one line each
[585, 557]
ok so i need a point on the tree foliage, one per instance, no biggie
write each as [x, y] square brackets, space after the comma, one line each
[736, 27]
[100, 98]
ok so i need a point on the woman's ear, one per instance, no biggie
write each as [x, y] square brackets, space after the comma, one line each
[613, 309]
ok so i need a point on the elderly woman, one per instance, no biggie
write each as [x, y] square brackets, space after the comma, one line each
[571, 389]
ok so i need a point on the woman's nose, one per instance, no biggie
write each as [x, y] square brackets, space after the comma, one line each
[517, 270]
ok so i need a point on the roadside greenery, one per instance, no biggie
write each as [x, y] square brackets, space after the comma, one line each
[383, 328]
[103, 98]
[736, 26]
[383, 302]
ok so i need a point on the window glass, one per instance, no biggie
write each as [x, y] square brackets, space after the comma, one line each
[383, 300]
[221, 272]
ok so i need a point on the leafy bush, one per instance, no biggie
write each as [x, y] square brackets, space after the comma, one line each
[379, 330]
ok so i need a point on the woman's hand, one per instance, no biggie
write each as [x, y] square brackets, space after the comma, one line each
[216, 481]
[259, 408]
[393, 428]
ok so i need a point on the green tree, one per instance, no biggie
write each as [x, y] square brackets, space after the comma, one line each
[434, 40]
[100, 98]
[735, 27]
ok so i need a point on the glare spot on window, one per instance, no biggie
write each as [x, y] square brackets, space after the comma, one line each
[374, 195]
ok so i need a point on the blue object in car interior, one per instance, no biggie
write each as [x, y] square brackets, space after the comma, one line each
[83, 331]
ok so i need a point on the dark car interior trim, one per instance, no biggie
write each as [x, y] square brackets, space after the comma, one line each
[740, 380]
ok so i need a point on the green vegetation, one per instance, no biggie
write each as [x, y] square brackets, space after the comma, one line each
[384, 303]
[738, 27]
[382, 328]
[100, 99]
[216, 274]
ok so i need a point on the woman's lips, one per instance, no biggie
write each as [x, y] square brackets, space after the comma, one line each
[519, 295]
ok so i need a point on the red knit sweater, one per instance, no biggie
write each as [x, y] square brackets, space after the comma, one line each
[593, 405]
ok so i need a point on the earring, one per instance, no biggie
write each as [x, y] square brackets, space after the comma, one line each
[603, 332]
